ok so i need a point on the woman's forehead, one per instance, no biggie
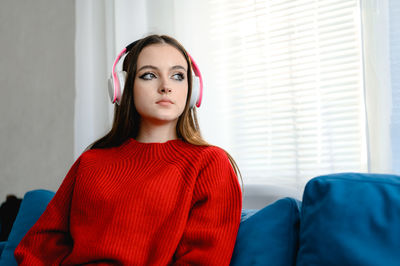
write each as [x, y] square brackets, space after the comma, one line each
[161, 55]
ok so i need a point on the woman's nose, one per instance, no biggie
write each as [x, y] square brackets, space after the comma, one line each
[164, 87]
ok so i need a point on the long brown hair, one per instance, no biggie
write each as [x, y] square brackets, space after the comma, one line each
[126, 118]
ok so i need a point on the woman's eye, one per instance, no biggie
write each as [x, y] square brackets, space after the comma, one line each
[179, 76]
[147, 76]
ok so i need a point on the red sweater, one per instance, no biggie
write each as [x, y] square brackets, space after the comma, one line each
[140, 204]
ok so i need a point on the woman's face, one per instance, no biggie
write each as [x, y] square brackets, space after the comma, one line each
[161, 85]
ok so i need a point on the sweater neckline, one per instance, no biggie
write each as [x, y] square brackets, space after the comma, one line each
[147, 145]
[152, 149]
[153, 143]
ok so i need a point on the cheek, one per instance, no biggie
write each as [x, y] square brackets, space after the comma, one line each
[182, 95]
[141, 97]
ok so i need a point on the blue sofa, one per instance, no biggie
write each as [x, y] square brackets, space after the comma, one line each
[343, 219]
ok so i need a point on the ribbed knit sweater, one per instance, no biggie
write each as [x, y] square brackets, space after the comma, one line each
[169, 203]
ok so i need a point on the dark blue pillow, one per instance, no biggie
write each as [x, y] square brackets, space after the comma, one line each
[2, 245]
[32, 207]
[350, 219]
[247, 213]
[269, 236]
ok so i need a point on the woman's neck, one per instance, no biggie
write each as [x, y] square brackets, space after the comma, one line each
[150, 132]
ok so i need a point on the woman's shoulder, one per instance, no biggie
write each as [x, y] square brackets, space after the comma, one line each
[204, 150]
[210, 153]
[215, 164]
[214, 151]
[99, 156]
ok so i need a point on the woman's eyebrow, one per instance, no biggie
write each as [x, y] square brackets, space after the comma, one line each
[156, 68]
[178, 67]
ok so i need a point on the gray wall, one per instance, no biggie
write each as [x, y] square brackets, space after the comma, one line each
[37, 94]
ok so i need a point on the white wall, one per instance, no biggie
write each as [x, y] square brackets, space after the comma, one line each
[37, 101]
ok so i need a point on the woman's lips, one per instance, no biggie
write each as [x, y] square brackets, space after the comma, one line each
[164, 102]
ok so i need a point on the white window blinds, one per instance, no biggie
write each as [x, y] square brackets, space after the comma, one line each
[293, 72]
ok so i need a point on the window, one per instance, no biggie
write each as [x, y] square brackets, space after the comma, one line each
[293, 72]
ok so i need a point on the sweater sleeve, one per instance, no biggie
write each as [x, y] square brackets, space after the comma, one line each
[213, 222]
[48, 241]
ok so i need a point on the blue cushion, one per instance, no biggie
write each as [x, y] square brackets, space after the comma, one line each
[246, 213]
[2, 245]
[32, 206]
[269, 236]
[350, 219]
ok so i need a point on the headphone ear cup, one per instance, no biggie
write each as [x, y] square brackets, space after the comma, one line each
[111, 88]
[121, 76]
[195, 91]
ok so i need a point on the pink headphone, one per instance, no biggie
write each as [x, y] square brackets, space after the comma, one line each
[116, 82]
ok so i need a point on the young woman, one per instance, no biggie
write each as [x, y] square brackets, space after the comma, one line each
[151, 191]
